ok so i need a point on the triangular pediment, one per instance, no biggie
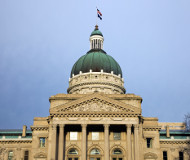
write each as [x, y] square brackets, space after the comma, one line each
[95, 103]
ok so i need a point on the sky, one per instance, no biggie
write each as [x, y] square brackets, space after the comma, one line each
[40, 40]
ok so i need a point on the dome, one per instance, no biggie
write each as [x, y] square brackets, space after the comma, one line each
[96, 60]
[96, 32]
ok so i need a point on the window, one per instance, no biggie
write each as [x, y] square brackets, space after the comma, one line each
[117, 154]
[73, 151]
[180, 155]
[73, 135]
[165, 156]
[73, 154]
[26, 153]
[42, 142]
[149, 142]
[95, 154]
[10, 155]
[117, 135]
[95, 135]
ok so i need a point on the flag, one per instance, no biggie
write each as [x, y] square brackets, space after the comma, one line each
[99, 14]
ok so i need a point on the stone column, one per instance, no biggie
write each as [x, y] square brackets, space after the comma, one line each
[84, 141]
[61, 141]
[136, 132]
[54, 139]
[129, 146]
[106, 141]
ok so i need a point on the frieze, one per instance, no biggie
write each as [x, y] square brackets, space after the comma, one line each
[95, 105]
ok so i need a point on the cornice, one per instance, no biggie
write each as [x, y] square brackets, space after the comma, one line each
[39, 128]
[62, 96]
[175, 141]
[92, 114]
[15, 141]
[100, 83]
[151, 128]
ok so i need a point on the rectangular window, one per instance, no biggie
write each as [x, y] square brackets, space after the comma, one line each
[165, 156]
[149, 142]
[42, 142]
[180, 155]
[26, 153]
[73, 135]
[95, 135]
[117, 135]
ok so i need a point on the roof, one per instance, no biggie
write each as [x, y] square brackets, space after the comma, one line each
[96, 32]
[96, 60]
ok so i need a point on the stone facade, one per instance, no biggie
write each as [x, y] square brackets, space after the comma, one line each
[96, 120]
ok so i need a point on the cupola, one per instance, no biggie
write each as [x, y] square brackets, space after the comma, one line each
[96, 71]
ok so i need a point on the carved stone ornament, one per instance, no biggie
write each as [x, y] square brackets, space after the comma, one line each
[2, 153]
[150, 155]
[40, 155]
[95, 105]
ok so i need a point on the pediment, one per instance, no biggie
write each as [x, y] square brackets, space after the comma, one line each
[95, 103]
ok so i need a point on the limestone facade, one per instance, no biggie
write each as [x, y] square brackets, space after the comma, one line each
[96, 120]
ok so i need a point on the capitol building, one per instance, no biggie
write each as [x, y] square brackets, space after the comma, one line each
[96, 120]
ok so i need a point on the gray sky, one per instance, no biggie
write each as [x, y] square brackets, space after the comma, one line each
[40, 40]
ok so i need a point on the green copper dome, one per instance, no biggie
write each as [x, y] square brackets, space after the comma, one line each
[96, 32]
[96, 60]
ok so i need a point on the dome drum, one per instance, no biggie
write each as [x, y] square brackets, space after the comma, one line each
[91, 82]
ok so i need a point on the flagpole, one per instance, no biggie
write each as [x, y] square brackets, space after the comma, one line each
[96, 17]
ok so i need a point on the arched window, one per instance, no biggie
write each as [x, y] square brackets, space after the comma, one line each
[10, 155]
[95, 154]
[73, 154]
[117, 154]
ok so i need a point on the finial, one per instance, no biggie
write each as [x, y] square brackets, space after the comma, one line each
[96, 27]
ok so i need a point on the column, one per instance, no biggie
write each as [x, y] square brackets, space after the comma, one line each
[84, 141]
[129, 147]
[54, 138]
[106, 141]
[136, 132]
[61, 141]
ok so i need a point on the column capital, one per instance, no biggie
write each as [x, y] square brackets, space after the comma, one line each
[54, 126]
[61, 125]
[106, 126]
[128, 126]
[84, 125]
[136, 126]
